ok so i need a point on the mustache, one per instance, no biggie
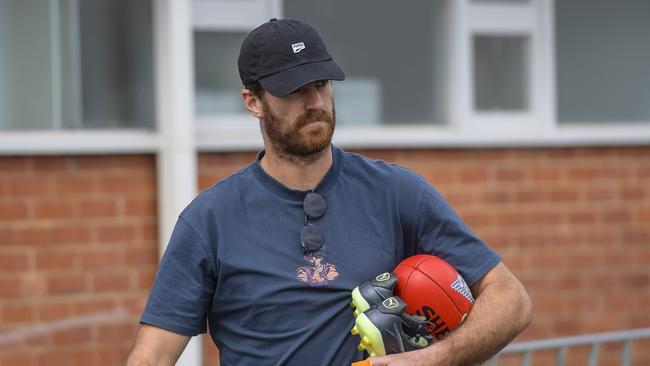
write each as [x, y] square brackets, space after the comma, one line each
[313, 115]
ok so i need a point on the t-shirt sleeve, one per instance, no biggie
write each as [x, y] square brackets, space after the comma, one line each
[441, 232]
[182, 292]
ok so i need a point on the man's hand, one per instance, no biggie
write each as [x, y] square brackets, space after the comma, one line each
[402, 359]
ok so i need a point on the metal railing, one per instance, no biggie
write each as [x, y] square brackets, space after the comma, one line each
[563, 344]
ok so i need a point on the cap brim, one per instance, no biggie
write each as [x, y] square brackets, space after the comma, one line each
[284, 82]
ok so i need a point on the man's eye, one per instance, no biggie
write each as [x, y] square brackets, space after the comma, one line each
[321, 83]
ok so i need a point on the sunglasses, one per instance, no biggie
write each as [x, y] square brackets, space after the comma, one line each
[311, 238]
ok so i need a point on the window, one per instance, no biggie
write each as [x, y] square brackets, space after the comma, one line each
[603, 61]
[70, 64]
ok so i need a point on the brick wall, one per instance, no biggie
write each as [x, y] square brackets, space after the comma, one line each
[78, 251]
[78, 241]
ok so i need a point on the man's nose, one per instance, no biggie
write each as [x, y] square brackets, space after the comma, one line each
[314, 97]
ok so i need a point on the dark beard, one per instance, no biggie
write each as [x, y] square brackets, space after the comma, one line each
[289, 139]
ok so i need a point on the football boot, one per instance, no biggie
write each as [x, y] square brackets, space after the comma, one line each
[373, 292]
[386, 328]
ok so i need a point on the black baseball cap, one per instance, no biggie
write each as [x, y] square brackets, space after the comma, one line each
[284, 55]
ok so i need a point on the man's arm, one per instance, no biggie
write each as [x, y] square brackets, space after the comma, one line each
[156, 346]
[502, 310]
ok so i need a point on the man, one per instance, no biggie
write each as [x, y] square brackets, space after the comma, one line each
[268, 256]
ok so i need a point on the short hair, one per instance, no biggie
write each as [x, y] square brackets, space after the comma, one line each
[255, 88]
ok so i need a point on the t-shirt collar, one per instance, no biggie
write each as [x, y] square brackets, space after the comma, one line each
[283, 191]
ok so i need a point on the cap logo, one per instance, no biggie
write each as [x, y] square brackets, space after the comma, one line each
[297, 47]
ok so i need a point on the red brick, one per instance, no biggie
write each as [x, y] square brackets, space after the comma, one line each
[512, 218]
[117, 332]
[497, 196]
[14, 164]
[71, 234]
[145, 279]
[545, 174]
[109, 282]
[36, 235]
[55, 210]
[34, 285]
[17, 313]
[90, 306]
[599, 194]
[18, 358]
[529, 195]
[128, 185]
[101, 163]
[149, 232]
[582, 217]
[98, 208]
[474, 175]
[53, 311]
[76, 185]
[76, 335]
[510, 174]
[142, 256]
[116, 233]
[563, 195]
[31, 187]
[102, 259]
[66, 284]
[643, 214]
[137, 162]
[616, 216]
[50, 164]
[56, 260]
[141, 207]
[545, 217]
[11, 262]
[10, 287]
[632, 193]
[12, 211]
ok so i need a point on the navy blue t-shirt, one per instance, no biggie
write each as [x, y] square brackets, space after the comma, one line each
[235, 263]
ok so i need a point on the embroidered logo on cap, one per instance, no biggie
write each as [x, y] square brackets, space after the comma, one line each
[297, 47]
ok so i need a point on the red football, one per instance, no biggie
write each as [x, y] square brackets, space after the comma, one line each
[434, 289]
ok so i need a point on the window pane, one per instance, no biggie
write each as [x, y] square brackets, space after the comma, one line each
[501, 73]
[76, 64]
[603, 60]
[25, 65]
[393, 56]
[217, 77]
[117, 63]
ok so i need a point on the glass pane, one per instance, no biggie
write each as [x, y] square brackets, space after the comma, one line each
[217, 78]
[393, 57]
[25, 65]
[603, 60]
[501, 73]
[117, 63]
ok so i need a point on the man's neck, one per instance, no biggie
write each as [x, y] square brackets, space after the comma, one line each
[300, 173]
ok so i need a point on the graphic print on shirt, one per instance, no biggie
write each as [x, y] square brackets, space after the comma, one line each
[318, 272]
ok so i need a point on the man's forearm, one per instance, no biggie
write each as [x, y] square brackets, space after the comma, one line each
[502, 310]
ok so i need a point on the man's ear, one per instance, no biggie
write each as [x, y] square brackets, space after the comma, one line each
[252, 103]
